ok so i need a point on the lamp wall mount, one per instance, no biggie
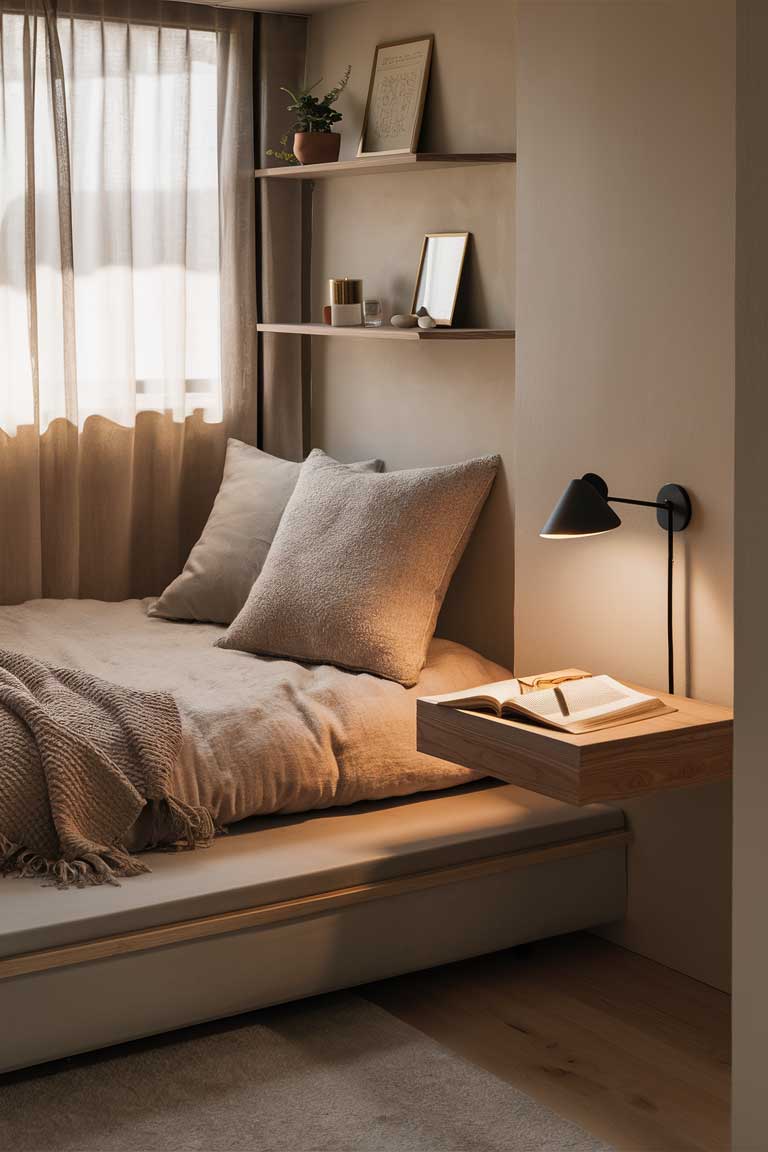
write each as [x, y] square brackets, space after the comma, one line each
[677, 504]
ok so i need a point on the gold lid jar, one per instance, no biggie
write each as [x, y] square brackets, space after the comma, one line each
[345, 291]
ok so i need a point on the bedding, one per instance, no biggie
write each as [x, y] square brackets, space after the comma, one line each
[229, 555]
[360, 564]
[258, 735]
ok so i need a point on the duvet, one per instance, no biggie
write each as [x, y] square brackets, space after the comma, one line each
[258, 735]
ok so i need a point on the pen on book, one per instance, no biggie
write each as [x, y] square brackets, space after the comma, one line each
[561, 701]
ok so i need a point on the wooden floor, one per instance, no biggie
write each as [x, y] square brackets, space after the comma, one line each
[635, 1053]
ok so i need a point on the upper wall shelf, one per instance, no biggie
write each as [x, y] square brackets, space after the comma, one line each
[371, 165]
[387, 332]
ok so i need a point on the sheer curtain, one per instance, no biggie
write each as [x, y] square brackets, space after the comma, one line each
[127, 287]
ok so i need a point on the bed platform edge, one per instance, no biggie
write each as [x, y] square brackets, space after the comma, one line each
[61, 1001]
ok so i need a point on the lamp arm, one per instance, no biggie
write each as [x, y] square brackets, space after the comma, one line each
[640, 503]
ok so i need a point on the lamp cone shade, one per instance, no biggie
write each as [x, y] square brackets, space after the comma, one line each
[580, 511]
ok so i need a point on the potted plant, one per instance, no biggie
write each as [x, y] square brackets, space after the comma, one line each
[314, 140]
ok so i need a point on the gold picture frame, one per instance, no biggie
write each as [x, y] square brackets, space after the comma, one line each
[448, 290]
[396, 93]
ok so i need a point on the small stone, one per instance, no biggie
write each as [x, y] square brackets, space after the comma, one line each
[404, 321]
[422, 311]
[427, 322]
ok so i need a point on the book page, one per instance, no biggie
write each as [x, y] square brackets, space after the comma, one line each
[546, 705]
[596, 692]
[579, 700]
[498, 692]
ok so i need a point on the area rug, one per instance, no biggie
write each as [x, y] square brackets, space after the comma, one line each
[333, 1074]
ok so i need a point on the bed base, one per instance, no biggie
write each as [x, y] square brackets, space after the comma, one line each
[61, 1001]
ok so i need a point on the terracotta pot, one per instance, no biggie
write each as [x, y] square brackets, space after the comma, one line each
[316, 147]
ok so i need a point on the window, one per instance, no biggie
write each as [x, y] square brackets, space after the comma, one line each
[131, 321]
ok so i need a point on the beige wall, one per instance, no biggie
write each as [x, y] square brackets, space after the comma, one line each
[625, 367]
[428, 404]
[625, 317]
[751, 772]
[622, 249]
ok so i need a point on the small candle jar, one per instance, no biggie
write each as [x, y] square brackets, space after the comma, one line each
[346, 302]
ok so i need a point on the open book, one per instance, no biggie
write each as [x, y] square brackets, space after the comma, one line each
[570, 701]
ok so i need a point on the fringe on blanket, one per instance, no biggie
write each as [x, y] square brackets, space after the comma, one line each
[179, 825]
[183, 826]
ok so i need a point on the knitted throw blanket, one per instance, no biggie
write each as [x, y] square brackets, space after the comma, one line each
[79, 759]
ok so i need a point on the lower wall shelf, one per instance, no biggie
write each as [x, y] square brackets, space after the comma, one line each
[387, 332]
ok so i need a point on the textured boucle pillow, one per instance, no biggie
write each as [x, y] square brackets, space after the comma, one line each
[229, 555]
[360, 564]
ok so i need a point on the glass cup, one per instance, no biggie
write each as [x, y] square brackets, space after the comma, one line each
[373, 314]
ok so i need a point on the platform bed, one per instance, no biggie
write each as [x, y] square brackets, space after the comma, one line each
[284, 908]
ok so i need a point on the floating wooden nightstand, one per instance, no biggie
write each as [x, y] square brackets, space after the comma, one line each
[693, 745]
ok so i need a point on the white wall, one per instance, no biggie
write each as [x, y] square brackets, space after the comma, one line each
[625, 367]
[750, 958]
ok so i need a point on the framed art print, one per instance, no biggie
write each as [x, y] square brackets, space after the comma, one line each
[396, 94]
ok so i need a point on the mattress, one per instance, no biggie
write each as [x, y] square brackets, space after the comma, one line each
[260, 736]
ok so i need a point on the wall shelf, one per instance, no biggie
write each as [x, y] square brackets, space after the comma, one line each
[387, 332]
[372, 165]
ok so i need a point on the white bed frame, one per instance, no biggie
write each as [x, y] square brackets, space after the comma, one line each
[101, 990]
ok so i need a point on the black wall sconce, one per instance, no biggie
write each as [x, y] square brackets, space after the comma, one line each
[584, 510]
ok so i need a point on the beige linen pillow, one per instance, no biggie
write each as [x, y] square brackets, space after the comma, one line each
[360, 564]
[228, 557]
